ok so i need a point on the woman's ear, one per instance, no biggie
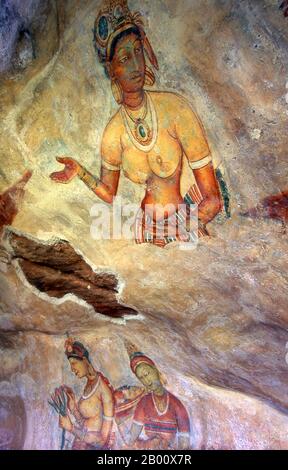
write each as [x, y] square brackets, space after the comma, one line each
[163, 379]
[91, 371]
[109, 70]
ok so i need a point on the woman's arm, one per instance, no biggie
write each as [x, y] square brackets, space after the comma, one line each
[193, 141]
[107, 411]
[208, 186]
[106, 186]
[130, 436]
[183, 423]
[83, 432]
[83, 429]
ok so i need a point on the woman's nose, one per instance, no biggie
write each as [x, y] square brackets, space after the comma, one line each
[134, 63]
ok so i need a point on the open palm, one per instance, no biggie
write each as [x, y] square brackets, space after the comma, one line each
[70, 171]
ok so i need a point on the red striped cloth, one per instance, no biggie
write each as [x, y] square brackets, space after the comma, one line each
[158, 232]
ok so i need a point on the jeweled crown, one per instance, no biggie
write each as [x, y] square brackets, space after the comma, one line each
[74, 348]
[114, 17]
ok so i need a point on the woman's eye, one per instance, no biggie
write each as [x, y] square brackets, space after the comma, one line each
[123, 59]
[138, 50]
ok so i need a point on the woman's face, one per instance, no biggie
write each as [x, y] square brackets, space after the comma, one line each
[78, 367]
[128, 64]
[149, 376]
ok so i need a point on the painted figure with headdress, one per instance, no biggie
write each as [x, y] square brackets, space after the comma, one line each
[159, 420]
[90, 419]
[148, 137]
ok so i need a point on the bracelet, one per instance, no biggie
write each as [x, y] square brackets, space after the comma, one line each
[108, 418]
[88, 179]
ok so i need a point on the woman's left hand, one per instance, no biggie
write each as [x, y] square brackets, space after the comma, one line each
[65, 423]
[71, 400]
[71, 169]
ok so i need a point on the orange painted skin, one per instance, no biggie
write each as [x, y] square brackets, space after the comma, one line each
[179, 134]
[92, 409]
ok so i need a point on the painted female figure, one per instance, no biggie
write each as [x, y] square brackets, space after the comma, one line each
[90, 419]
[148, 137]
[160, 420]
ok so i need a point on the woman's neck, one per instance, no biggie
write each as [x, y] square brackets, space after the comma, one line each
[92, 377]
[133, 100]
[160, 391]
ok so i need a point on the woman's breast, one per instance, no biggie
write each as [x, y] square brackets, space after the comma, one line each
[135, 165]
[161, 161]
[90, 407]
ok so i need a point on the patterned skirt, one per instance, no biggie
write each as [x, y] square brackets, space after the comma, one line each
[176, 227]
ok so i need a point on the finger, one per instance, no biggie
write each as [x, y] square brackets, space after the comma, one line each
[27, 175]
[60, 159]
[67, 392]
[58, 395]
[59, 176]
[52, 404]
[63, 159]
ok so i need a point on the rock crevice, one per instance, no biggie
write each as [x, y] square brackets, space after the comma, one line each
[56, 269]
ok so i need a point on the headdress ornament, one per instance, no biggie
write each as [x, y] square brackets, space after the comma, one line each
[137, 357]
[74, 348]
[114, 18]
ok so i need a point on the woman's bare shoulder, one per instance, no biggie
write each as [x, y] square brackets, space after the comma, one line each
[115, 125]
[169, 98]
[105, 388]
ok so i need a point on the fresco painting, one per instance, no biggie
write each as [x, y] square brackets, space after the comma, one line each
[159, 419]
[148, 136]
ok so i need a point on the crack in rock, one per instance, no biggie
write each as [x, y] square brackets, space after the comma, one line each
[56, 269]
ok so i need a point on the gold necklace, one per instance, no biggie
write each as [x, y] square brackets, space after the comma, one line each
[138, 118]
[142, 135]
[93, 390]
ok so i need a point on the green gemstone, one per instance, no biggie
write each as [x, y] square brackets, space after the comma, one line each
[142, 132]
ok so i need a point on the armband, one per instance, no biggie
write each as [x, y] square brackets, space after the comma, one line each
[87, 178]
[200, 163]
[110, 167]
[183, 434]
[108, 418]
